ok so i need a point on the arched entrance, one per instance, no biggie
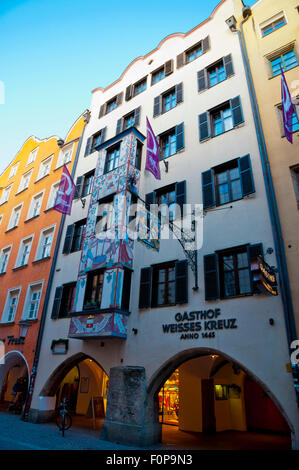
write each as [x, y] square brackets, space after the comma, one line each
[14, 376]
[206, 400]
[83, 382]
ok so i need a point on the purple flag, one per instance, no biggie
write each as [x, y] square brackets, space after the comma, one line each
[152, 152]
[65, 193]
[287, 108]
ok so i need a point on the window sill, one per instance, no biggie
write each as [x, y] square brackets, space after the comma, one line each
[21, 191]
[41, 178]
[60, 166]
[19, 267]
[242, 124]
[31, 218]
[48, 209]
[4, 272]
[7, 323]
[237, 296]
[31, 320]
[12, 228]
[40, 260]
[97, 311]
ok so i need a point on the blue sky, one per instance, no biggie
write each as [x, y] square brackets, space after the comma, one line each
[54, 52]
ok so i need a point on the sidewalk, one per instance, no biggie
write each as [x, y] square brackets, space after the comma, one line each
[19, 435]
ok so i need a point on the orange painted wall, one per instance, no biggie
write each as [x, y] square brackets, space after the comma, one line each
[33, 271]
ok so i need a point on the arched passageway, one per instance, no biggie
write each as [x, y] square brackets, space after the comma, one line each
[206, 400]
[83, 382]
[14, 376]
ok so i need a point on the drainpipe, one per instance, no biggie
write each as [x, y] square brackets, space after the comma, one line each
[86, 117]
[271, 198]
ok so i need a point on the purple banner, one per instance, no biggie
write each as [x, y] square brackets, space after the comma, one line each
[152, 152]
[65, 193]
[287, 108]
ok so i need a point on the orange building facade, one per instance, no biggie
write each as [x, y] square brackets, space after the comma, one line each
[28, 233]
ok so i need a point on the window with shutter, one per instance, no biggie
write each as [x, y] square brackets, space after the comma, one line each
[140, 86]
[235, 272]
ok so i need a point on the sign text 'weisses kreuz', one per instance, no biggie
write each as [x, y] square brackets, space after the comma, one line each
[204, 323]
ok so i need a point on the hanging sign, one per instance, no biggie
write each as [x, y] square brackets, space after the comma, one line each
[267, 277]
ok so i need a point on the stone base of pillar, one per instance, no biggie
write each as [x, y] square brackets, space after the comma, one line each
[136, 436]
[129, 417]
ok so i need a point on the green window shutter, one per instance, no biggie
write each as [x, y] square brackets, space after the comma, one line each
[246, 175]
[129, 92]
[206, 44]
[181, 282]
[228, 64]
[119, 126]
[237, 112]
[137, 116]
[180, 195]
[211, 276]
[88, 146]
[57, 302]
[179, 131]
[202, 80]
[79, 187]
[204, 128]
[179, 92]
[145, 288]
[180, 60]
[208, 190]
[157, 106]
[68, 239]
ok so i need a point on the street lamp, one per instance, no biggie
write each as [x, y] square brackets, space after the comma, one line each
[23, 325]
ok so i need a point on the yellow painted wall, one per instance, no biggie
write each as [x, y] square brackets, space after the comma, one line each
[282, 154]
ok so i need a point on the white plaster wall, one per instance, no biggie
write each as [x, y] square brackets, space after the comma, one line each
[255, 344]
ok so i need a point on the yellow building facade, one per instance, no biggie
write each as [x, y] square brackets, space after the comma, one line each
[271, 34]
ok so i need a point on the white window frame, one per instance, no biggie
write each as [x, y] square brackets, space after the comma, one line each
[39, 196]
[5, 190]
[28, 300]
[40, 243]
[22, 187]
[13, 213]
[32, 156]
[6, 248]
[21, 250]
[13, 170]
[51, 199]
[268, 21]
[5, 314]
[1, 218]
[61, 158]
[40, 172]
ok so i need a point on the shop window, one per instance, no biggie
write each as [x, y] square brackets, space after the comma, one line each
[169, 400]
[221, 392]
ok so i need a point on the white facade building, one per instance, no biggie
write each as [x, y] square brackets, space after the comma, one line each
[193, 89]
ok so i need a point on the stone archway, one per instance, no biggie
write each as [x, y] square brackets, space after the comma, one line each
[223, 361]
[13, 365]
[51, 390]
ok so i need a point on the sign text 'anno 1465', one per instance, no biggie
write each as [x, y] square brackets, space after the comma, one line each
[189, 324]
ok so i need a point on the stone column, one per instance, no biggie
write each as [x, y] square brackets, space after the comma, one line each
[130, 418]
